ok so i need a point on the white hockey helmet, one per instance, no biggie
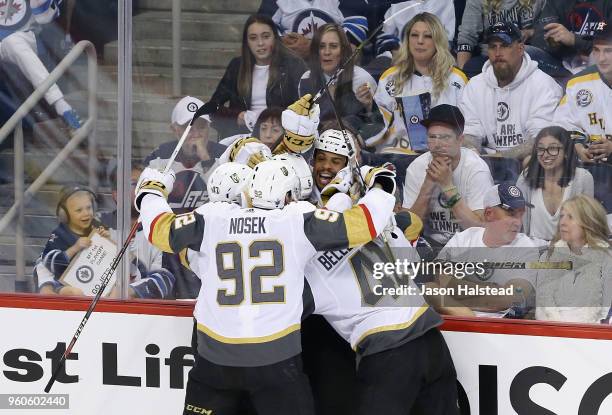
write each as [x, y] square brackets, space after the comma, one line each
[302, 169]
[334, 142]
[228, 181]
[271, 181]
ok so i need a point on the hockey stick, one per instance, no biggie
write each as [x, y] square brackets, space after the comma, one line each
[205, 109]
[358, 49]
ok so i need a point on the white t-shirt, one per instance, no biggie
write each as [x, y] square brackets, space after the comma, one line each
[468, 246]
[540, 223]
[472, 178]
[258, 94]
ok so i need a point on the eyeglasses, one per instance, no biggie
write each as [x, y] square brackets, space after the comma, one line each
[552, 151]
[441, 137]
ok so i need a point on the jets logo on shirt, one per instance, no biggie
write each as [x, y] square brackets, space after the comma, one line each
[84, 274]
[13, 13]
[308, 21]
[503, 111]
[584, 97]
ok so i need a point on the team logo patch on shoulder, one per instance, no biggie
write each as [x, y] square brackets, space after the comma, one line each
[390, 87]
[456, 84]
[503, 111]
[285, 171]
[414, 119]
[584, 97]
[13, 14]
[514, 191]
[235, 178]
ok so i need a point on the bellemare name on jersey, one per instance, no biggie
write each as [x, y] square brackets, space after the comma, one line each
[256, 224]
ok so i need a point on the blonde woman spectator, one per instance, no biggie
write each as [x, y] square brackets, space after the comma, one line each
[423, 77]
[584, 293]
[550, 178]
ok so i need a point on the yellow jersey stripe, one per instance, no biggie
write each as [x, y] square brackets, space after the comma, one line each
[359, 226]
[248, 340]
[584, 78]
[392, 327]
[183, 258]
[563, 100]
[388, 72]
[460, 73]
[160, 231]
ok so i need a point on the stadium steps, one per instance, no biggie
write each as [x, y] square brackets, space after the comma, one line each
[195, 54]
[221, 27]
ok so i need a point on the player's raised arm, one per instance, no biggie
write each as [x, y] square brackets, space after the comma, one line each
[330, 230]
[164, 229]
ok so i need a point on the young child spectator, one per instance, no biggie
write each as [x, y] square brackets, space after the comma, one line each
[511, 100]
[76, 211]
[584, 293]
[586, 106]
[192, 165]
[265, 75]
[268, 129]
[479, 15]
[353, 93]
[565, 29]
[423, 77]
[551, 177]
[445, 187]
[18, 47]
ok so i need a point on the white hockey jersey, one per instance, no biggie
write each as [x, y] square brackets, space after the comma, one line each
[395, 105]
[587, 106]
[443, 10]
[306, 16]
[251, 262]
[20, 15]
[348, 295]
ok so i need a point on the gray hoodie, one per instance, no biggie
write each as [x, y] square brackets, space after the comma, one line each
[476, 21]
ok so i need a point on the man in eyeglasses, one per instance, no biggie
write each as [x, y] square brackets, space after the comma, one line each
[498, 240]
[511, 100]
[446, 185]
[587, 104]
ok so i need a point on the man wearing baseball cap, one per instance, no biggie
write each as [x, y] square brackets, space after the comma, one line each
[498, 240]
[511, 100]
[586, 107]
[196, 159]
[445, 186]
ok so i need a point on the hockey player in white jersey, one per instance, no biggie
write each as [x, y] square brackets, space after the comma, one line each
[252, 263]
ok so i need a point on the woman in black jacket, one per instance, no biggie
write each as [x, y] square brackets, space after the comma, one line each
[265, 75]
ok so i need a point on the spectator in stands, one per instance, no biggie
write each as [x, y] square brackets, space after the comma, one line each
[443, 10]
[479, 16]
[353, 93]
[192, 165]
[18, 47]
[585, 108]
[584, 293]
[446, 185]
[550, 178]
[298, 20]
[76, 212]
[498, 240]
[565, 28]
[266, 74]
[511, 101]
[268, 129]
[423, 77]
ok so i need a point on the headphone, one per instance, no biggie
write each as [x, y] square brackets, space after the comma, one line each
[61, 211]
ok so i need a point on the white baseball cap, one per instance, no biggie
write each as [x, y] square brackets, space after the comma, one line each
[183, 111]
